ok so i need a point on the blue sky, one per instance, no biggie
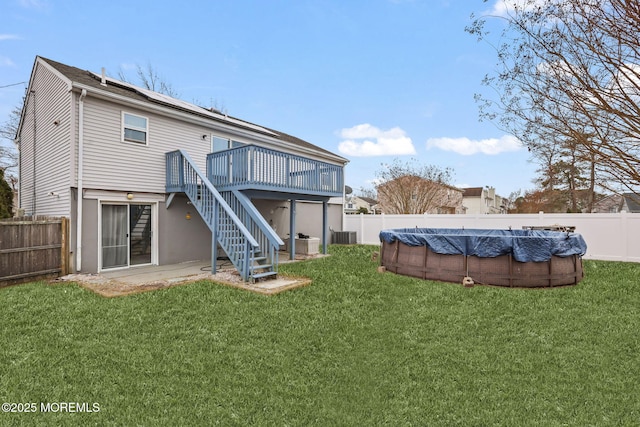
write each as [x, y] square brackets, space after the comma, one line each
[371, 80]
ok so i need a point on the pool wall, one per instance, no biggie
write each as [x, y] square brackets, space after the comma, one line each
[500, 270]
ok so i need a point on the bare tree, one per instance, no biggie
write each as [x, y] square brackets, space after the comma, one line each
[8, 146]
[368, 192]
[150, 79]
[414, 189]
[569, 75]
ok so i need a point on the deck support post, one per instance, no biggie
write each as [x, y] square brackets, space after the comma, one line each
[325, 223]
[292, 230]
[214, 239]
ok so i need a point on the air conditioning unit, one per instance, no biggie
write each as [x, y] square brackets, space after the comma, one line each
[345, 238]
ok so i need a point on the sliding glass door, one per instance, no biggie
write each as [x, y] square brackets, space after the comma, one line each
[139, 234]
[115, 236]
[126, 235]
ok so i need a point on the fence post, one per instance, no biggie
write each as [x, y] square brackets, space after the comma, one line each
[625, 235]
[64, 243]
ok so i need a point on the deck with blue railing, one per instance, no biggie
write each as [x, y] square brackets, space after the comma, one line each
[236, 225]
[257, 168]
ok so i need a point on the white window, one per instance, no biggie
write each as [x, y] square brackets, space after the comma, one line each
[135, 128]
[221, 144]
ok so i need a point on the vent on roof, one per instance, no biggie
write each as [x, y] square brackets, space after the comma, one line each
[103, 77]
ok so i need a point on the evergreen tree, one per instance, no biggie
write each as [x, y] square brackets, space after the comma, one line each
[6, 197]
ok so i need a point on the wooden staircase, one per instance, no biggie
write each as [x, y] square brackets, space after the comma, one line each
[235, 223]
[140, 232]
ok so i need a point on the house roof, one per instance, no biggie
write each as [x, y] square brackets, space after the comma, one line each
[129, 91]
[369, 200]
[633, 201]
[472, 192]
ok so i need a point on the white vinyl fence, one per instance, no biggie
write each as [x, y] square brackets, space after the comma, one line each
[609, 237]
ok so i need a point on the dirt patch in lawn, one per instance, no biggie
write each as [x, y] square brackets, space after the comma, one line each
[109, 288]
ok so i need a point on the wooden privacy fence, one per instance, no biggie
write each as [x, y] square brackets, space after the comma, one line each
[33, 248]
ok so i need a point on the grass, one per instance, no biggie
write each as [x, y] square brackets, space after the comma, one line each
[355, 348]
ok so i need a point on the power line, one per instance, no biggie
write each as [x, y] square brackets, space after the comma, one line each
[14, 84]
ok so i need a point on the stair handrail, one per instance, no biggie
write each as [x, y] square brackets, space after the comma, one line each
[256, 217]
[207, 184]
[269, 242]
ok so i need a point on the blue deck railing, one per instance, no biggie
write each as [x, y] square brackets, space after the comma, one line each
[228, 229]
[268, 241]
[259, 168]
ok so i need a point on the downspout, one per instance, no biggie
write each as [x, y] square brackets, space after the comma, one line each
[16, 209]
[33, 200]
[83, 94]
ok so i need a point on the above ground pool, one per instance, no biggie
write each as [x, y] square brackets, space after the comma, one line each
[514, 258]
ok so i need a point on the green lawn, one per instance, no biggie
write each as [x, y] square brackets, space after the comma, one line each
[355, 348]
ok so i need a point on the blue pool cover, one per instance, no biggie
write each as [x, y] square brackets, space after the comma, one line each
[523, 245]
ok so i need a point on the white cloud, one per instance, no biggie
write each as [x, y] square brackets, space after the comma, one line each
[8, 37]
[365, 140]
[467, 147]
[506, 7]
[6, 62]
[127, 66]
[34, 4]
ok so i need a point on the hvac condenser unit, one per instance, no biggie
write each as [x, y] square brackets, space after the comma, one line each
[344, 237]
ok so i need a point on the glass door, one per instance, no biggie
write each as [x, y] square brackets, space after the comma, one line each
[126, 235]
[140, 234]
[115, 236]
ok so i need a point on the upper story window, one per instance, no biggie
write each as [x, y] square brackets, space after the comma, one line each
[221, 144]
[135, 128]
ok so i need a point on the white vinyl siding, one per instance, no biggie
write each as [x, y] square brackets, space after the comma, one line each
[52, 129]
[111, 165]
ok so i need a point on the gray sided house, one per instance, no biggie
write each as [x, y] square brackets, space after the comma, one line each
[151, 180]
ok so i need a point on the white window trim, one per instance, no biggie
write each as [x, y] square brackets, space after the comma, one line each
[229, 140]
[122, 128]
[154, 231]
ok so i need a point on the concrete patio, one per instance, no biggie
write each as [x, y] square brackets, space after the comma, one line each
[151, 277]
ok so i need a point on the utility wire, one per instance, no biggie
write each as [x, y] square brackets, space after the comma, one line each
[14, 84]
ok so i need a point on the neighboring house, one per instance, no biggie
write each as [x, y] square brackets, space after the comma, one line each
[353, 204]
[479, 200]
[614, 203]
[151, 180]
[411, 194]
[630, 202]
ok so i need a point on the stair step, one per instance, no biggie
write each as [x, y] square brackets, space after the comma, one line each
[260, 258]
[265, 274]
[260, 266]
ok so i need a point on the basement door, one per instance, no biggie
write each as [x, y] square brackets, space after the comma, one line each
[126, 231]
